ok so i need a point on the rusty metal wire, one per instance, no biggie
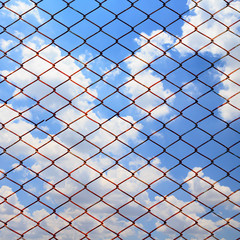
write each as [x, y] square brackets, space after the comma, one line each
[62, 173]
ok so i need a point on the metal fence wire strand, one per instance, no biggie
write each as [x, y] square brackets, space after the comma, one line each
[120, 119]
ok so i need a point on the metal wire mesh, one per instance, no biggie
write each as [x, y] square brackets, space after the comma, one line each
[119, 119]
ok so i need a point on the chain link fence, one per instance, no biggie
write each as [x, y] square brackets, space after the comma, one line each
[119, 119]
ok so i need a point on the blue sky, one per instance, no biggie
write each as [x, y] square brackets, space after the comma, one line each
[142, 95]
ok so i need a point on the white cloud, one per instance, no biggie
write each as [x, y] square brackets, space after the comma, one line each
[146, 88]
[152, 47]
[66, 75]
[197, 33]
[25, 8]
[223, 28]
[14, 127]
[90, 173]
[69, 83]
[208, 28]
[122, 128]
[5, 44]
[152, 173]
[11, 209]
[167, 209]
[191, 89]
[231, 82]
[7, 113]
[111, 72]
[208, 191]
[17, 167]
[182, 216]
[86, 58]
[50, 148]
[151, 101]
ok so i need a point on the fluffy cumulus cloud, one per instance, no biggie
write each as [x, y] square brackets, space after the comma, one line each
[18, 138]
[213, 27]
[231, 83]
[53, 88]
[25, 9]
[184, 220]
[185, 216]
[151, 47]
[209, 192]
[81, 188]
[217, 35]
[5, 44]
[204, 33]
[179, 215]
[146, 87]
[50, 77]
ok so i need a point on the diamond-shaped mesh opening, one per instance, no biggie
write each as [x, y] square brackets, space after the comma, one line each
[119, 119]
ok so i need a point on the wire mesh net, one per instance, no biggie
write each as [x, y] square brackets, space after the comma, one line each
[119, 119]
